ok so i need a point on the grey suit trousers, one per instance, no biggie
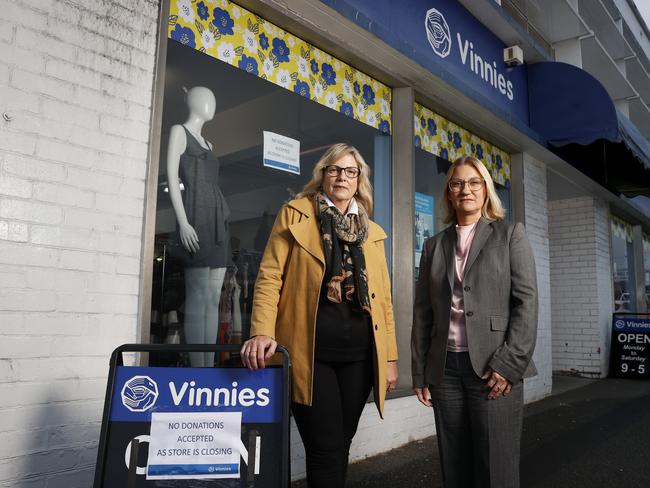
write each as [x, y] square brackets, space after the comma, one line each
[478, 439]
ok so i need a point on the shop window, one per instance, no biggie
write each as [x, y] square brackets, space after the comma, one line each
[439, 142]
[623, 266]
[217, 170]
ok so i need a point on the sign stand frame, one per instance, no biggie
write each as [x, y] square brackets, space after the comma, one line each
[117, 359]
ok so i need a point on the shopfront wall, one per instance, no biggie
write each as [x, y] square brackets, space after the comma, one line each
[260, 78]
[74, 169]
[265, 79]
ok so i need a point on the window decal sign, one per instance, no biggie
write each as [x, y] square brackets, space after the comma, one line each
[281, 152]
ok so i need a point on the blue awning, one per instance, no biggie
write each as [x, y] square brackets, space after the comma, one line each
[573, 112]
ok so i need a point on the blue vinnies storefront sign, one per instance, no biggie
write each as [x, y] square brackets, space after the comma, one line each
[442, 36]
[140, 392]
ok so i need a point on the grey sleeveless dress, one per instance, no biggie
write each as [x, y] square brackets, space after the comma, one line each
[205, 206]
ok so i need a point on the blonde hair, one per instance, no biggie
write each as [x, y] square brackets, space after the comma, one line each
[331, 156]
[492, 207]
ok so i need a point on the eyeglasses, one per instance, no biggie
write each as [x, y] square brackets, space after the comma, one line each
[350, 171]
[474, 184]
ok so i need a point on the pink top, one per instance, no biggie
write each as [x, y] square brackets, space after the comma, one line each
[457, 340]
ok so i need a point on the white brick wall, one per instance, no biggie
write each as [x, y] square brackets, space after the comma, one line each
[536, 220]
[605, 282]
[581, 283]
[76, 76]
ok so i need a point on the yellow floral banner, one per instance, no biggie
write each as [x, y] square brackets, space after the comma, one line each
[240, 38]
[437, 135]
[621, 229]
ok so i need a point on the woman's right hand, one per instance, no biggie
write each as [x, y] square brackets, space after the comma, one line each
[188, 236]
[424, 395]
[255, 350]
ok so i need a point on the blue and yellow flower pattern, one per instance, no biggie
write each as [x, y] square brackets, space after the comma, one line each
[437, 135]
[621, 229]
[232, 34]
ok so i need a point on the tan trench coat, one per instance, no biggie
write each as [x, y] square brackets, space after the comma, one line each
[287, 291]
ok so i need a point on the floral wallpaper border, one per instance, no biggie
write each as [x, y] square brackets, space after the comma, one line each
[621, 229]
[230, 33]
[437, 135]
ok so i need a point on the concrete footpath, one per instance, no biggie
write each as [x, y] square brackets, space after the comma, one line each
[589, 433]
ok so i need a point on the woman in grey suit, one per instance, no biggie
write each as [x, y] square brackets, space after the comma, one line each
[474, 331]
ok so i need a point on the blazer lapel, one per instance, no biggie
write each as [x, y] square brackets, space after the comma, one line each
[481, 235]
[449, 246]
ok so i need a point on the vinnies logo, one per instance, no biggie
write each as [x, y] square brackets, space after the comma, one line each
[139, 394]
[491, 71]
[438, 33]
[619, 324]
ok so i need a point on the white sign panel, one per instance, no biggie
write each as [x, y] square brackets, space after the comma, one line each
[194, 445]
[281, 153]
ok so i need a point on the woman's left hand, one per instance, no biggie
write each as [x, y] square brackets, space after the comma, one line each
[391, 375]
[498, 384]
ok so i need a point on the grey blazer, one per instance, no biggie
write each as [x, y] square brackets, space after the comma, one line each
[500, 293]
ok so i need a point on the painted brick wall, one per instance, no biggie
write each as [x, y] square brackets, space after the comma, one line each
[604, 279]
[536, 220]
[581, 283]
[76, 78]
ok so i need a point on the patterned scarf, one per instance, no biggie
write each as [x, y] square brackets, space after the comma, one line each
[343, 238]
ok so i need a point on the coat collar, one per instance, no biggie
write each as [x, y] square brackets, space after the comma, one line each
[481, 234]
[306, 233]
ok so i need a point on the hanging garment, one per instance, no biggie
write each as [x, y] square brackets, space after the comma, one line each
[205, 206]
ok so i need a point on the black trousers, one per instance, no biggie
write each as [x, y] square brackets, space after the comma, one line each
[328, 426]
[478, 439]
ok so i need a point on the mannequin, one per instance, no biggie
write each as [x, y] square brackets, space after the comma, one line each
[202, 217]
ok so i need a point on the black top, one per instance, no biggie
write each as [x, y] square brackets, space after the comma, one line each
[205, 206]
[342, 333]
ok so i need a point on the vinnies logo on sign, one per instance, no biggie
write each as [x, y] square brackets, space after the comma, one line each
[139, 394]
[438, 33]
[441, 41]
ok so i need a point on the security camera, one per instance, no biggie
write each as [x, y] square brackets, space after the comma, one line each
[513, 56]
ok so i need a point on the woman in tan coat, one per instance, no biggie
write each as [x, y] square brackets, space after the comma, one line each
[323, 292]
